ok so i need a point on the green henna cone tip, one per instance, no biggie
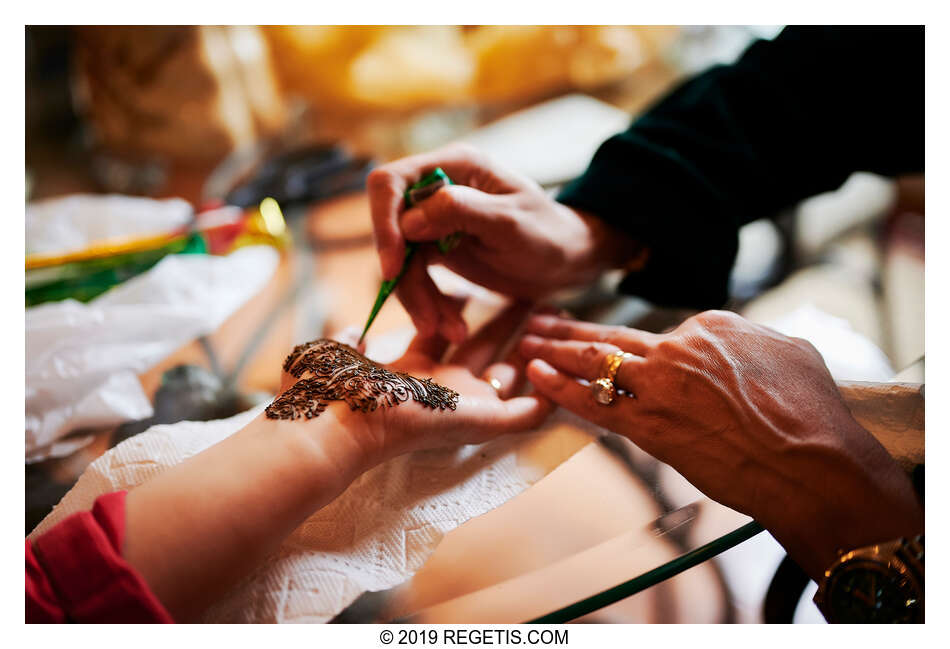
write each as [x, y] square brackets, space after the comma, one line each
[417, 192]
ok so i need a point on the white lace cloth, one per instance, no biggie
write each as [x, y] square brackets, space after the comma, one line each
[374, 536]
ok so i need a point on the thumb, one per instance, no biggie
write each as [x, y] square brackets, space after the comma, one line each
[457, 208]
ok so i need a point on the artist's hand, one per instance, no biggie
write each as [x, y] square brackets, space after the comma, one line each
[518, 241]
[749, 416]
[481, 413]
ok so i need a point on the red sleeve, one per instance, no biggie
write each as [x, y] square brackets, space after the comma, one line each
[75, 572]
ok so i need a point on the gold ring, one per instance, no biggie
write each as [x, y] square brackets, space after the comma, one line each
[603, 388]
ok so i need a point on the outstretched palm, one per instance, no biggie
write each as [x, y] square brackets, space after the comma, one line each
[406, 413]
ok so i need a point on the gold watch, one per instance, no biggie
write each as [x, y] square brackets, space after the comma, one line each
[874, 584]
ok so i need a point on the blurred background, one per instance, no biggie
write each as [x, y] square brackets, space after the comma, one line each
[139, 103]
[156, 155]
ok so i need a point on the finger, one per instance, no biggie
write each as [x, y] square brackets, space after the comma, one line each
[620, 416]
[521, 414]
[630, 340]
[432, 347]
[387, 184]
[451, 323]
[348, 336]
[385, 189]
[479, 350]
[548, 309]
[420, 296]
[465, 165]
[467, 261]
[507, 376]
[584, 359]
[457, 208]
[431, 310]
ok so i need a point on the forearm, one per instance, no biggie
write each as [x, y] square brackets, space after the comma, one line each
[792, 118]
[196, 529]
[598, 248]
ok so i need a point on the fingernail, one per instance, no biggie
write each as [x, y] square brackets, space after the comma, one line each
[455, 330]
[543, 369]
[544, 376]
[390, 268]
[530, 342]
[538, 321]
[505, 374]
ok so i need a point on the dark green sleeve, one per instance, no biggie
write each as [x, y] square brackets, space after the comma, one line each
[793, 117]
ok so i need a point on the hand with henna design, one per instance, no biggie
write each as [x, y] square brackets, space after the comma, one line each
[327, 371]
[197, 528]
[416, 402]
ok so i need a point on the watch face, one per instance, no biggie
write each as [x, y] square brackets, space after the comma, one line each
[868, 592]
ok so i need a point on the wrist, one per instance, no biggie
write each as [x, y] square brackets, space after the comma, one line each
[601, 248]
[838, 497]
[331, 448]
[351, 438]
